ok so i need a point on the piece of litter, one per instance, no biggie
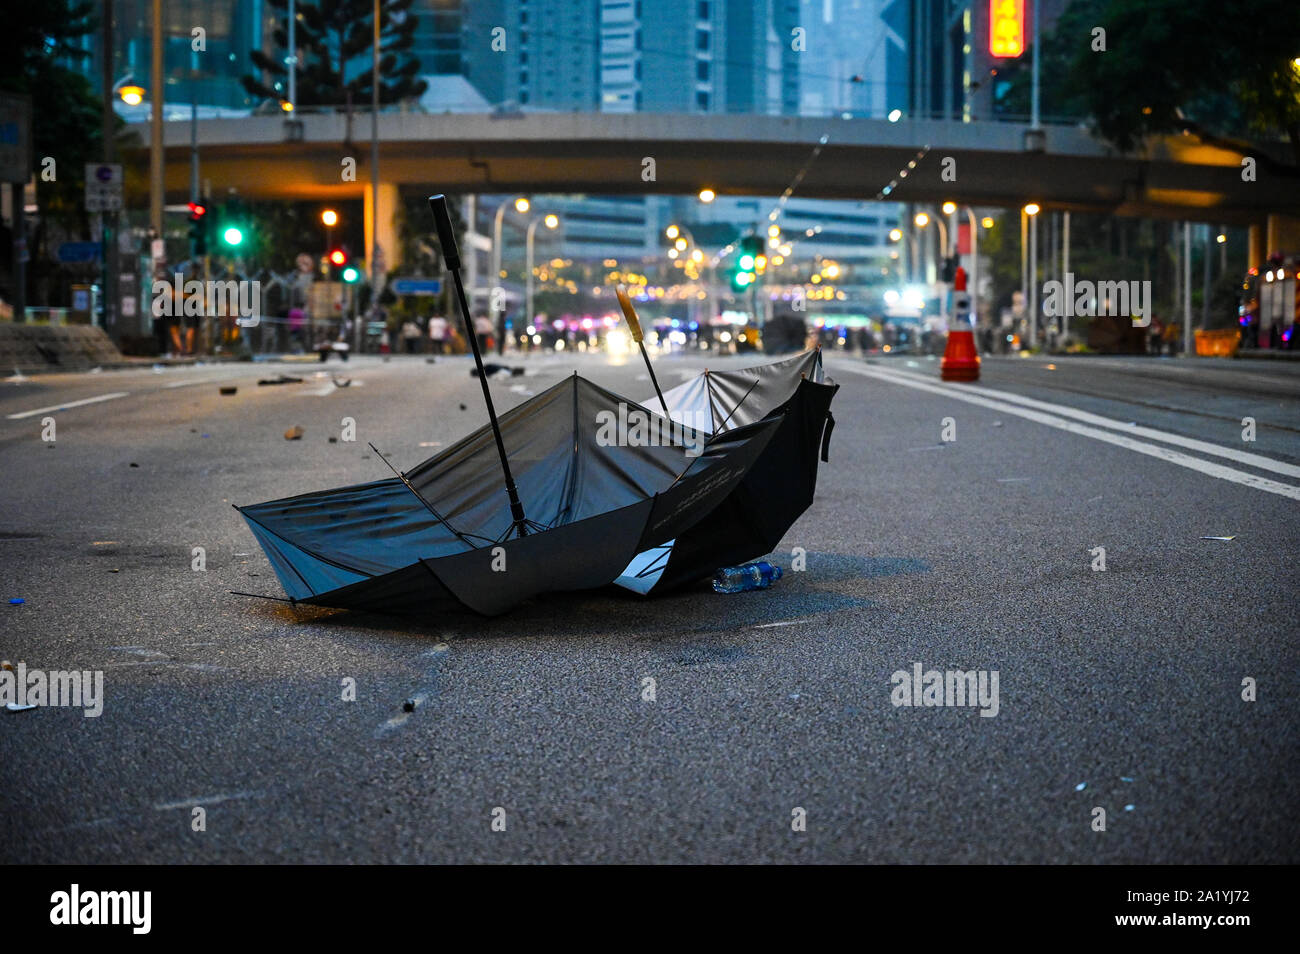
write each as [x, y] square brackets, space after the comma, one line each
[1081, 786]
[205, 435]
[1225, 539]
[16, 601]
[282, 379]
[1129, 808]
[462, 407]
[134, 464]
[1125, 778]
[430, 443]
[334, 440]
[341, 382]
[294, 433]
[114, 571]
[7, 665]
[228, 390]
[15, 707]
[408, 705]
[794, 695]
[997, 423]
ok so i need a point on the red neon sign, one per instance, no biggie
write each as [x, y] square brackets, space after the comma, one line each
[1006, 28]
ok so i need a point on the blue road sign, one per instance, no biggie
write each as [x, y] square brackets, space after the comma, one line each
[416, 286]
[72, 252]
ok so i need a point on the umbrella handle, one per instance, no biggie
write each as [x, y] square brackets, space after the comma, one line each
[451, 255]
[634, 325]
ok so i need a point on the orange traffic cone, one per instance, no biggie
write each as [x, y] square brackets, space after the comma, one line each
[961, 362]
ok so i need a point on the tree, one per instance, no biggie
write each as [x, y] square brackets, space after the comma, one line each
[1171, 66]
[334, 39]
[37, 41]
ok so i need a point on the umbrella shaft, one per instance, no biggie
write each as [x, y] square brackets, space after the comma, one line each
[653, 379]
[516, 507]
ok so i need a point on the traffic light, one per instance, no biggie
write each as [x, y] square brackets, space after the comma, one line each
[198, 230]
[749, 261]
[339, 268]
[233, 225]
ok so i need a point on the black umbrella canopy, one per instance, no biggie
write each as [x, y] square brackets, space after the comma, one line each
[442, 533]
[759, 510]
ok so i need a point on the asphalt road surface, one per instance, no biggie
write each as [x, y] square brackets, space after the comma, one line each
[1119, 689]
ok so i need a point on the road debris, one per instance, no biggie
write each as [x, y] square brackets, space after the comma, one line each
[228, 389]
[294, 433]
[282, 379]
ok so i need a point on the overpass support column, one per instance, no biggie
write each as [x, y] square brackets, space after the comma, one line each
[1255, 253]
[1283, 234]
[386, 231]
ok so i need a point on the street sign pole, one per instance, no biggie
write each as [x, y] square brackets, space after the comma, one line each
[15, 168]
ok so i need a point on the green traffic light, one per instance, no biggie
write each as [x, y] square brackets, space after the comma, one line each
[350, 274]
[747, 263]
[233, 236]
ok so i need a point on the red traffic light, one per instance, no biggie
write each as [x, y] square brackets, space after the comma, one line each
[338, 257]
[197, 211]
[959, 279]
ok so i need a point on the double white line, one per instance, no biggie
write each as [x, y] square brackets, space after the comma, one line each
[1100, 428]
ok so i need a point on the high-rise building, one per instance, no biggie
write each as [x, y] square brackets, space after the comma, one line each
[707, 56]
[206, 46]
[855, 60]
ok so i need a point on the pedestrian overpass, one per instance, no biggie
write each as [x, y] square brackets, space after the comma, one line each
[987, 163]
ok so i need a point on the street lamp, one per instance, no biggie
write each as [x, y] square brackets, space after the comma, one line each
[131, 95]
[707, 196]
[551, 221]
[329, 218]
[1029, 222]
[496, 299]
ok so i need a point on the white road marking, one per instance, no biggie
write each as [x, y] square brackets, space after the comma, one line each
[1204, 447]
[1073, 427]
[70, 404]
[205, 800]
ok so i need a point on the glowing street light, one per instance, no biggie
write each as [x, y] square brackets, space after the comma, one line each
[707, 196]
[895, 235]
[132, 95]
[521, 205]
[987, 221]
[552, 221]
[949, 208]
[672, 231]
[1032, 208]
[921, 220]
[330, 218]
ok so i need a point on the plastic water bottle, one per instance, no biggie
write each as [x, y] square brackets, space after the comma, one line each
[751, 576]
